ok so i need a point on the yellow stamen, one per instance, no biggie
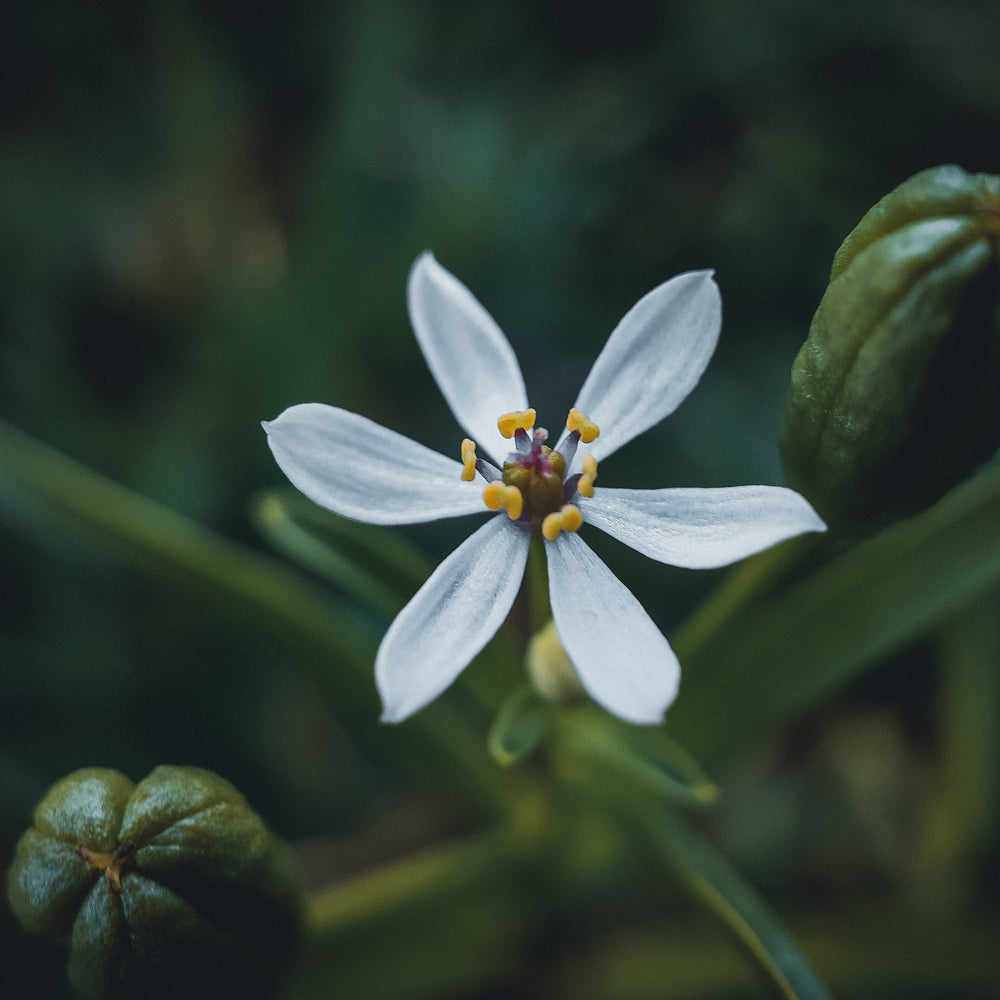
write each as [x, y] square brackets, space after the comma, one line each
[568, 518]
[519, 420]
[586, 484]
[498, 495]
[576, 421]
[468, 460]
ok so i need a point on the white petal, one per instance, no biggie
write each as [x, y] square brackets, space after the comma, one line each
[652, 360]
[361, 470]
[467, 353]
[701, 529]
[453, 615]
[619, 654]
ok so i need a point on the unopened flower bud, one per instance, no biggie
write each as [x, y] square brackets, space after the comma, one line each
[169, 888]
[550, 669]
[894, 396]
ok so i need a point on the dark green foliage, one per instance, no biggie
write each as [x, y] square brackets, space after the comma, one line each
[207, 213]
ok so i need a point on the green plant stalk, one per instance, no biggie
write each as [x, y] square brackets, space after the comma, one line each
[537, 577]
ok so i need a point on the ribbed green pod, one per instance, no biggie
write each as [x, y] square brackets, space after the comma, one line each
[895, 395]
[169, 888]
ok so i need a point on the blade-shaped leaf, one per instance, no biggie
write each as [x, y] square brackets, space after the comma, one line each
[44, 490]
[519, 727]
[736, 903]
[775, 657]
[373, 564]
[642, 757]
[618, 780]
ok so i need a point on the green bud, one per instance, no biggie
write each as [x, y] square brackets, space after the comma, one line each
[894, 396]
[169, 888]
[550, 669]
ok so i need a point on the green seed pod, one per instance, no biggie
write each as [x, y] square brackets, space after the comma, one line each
[894, 396]
[169, 888]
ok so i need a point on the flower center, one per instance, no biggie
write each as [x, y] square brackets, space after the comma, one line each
[532, 486]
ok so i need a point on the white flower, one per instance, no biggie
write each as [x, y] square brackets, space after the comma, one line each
[652, 360]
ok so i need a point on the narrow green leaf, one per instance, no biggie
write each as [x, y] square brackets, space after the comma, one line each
[773, 658]
[723, 890]
[372, 564]
[639, 757]
[519, 727]
[44, 489]
[375, 566]
[599, 768]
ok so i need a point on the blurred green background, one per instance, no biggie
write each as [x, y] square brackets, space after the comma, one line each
[207, 214]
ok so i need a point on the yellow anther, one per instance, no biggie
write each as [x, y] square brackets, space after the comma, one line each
[493, 493]
[469, 460]
[586, 484]
[576, 421]
[499, 496]
[568, 518]
[519, 420]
